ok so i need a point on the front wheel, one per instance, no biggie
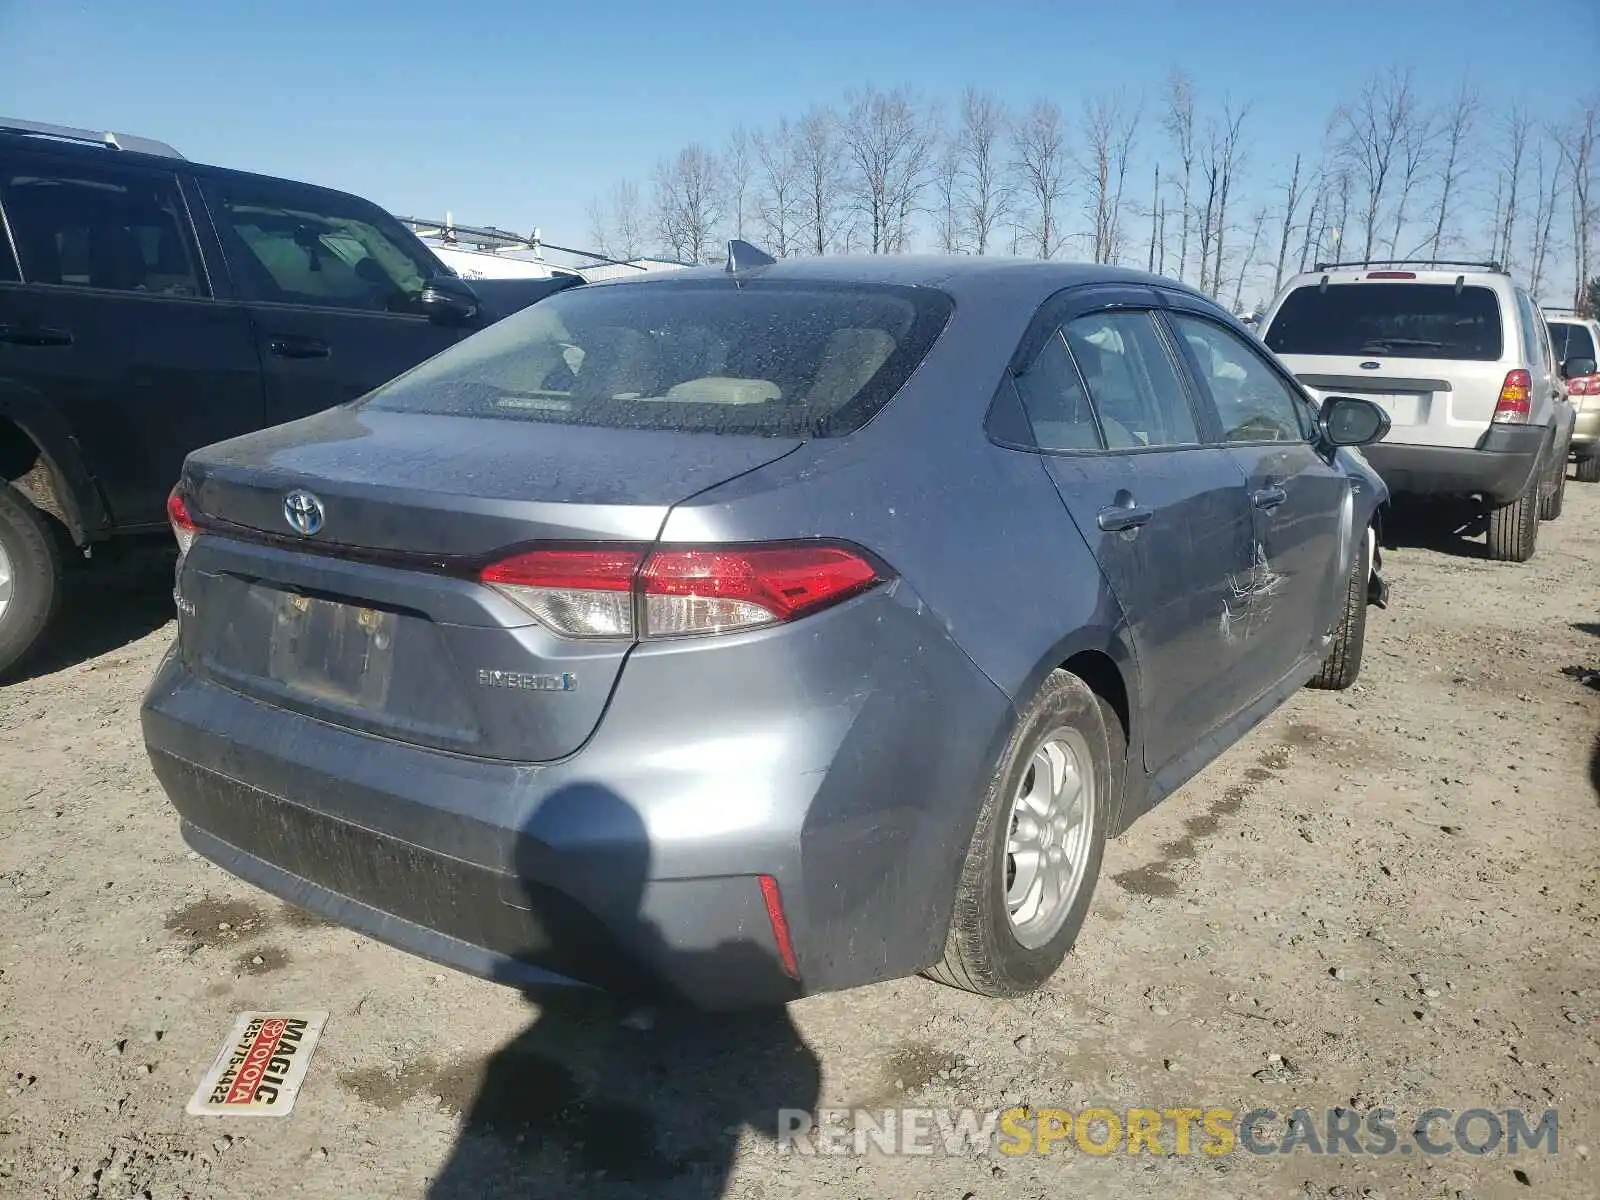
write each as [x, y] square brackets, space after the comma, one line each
[1343, 663]
[1030, 871]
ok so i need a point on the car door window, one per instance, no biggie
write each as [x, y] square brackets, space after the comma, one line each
[1530, 332]
[292, 245]
[1057, 406]
[1135, 387]
[1253, 401]
[90, 227]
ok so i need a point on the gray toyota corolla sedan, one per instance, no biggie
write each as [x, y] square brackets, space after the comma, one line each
[734, 634]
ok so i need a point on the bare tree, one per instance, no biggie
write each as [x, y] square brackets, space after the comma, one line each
[1040, 150]
[1257, 224]
[1375, 129]
[1293, 195]
[887, 142]
[1456, 128]
[947, 198]
[778, 188]
[689, 203]
[1155, 220]
[1518, 126]
[738, 170]
[1316, 227]
[1578, 152]
[1220, 162]
[1548, 193]
[987, 191]
[1416, 145]
[1110, 127]
[819, 150]
[1179, 124]
[616, 223]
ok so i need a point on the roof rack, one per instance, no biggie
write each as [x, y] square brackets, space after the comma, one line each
[99, 137]
[1413, 262]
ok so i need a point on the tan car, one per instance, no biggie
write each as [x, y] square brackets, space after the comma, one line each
[1576, 341]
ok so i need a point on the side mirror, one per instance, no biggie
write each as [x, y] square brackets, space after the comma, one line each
[448, 300]
[1576, 368]
[1347, 421]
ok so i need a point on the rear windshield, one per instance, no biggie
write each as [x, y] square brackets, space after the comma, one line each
[778, 358]
[1571, 341]
[1395, 320]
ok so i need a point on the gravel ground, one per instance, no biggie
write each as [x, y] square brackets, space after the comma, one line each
[1381, 898]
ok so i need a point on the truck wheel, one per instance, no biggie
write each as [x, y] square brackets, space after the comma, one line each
[1343, 663]
[1589, 469]
[1030, 871]
[1514, 528]
[30, 576]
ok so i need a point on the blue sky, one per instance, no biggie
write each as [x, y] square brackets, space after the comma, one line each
[516, 114]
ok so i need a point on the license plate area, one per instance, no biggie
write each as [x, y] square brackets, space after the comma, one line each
[332, 651]
[1404, 408]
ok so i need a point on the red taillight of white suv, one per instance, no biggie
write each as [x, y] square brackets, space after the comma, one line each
[602, 593]
[1515, 405]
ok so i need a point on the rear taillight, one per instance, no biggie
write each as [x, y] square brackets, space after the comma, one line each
[1584, 385]
[1391, 274]
[635, 594]
[183, 526]
[1515, 405]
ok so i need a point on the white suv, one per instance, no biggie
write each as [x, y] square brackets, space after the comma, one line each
[1461, 359]
[1577, 346]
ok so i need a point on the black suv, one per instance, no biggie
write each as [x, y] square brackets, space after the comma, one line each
[150, 306]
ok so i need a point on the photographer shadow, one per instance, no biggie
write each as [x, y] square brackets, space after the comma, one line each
[599, 1096]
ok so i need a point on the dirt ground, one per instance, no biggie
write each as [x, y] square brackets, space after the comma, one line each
[1385, 897]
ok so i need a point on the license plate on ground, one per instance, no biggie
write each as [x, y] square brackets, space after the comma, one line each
[334, 651]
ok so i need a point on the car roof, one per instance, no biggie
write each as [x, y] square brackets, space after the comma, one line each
[102, 153]
[963, 277]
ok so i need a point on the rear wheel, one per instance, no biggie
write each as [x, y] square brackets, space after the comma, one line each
[1030, 871]
[30, 576]
[1343, 663]
[1514, 529]
[1589, 469]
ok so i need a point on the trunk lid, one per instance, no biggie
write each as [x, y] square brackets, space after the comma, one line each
[377, 622]
[1430, 402]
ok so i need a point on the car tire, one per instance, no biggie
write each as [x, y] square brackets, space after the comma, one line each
[1343, 662]
[1551, 506]
[1589, 469]
[30, 576]
[1066, 732]
[1513, 533]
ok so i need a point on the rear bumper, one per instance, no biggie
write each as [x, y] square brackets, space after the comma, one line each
[634, 866]
[1498, 468]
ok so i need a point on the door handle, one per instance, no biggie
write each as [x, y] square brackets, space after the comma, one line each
[1268, 497]
[12, 335]
[1120, 518]
[298, 348]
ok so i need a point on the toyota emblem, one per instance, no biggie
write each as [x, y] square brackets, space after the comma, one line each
[303, 511]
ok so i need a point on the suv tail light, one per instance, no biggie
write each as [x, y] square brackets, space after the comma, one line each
[1584, 385]
[183, 526]
[1515, 405]
[636, 594]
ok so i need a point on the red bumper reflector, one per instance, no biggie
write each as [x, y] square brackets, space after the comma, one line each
[780, 926]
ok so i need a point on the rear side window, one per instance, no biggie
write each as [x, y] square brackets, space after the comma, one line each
[298, 245]
[776, 358]
[1394, 320]
[93, 227]
[1571, 341]
[1532, 332]
[1057, 406]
